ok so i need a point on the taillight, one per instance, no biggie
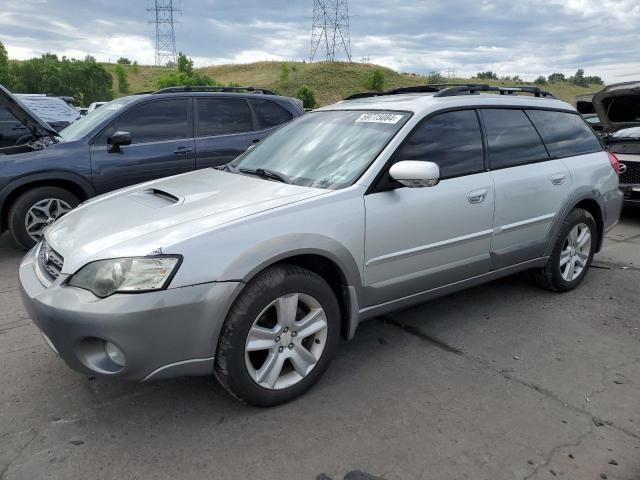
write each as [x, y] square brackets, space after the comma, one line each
[615, 163]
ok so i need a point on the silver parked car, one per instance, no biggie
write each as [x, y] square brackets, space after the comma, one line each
[252, 271]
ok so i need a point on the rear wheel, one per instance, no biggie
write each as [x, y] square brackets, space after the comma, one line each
[279, 336]
[35, 210]
[572, 254]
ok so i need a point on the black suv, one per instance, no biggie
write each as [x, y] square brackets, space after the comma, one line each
[127, 141]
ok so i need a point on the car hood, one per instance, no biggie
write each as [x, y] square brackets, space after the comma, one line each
[618, 106]
[211, 197]
[18, 109]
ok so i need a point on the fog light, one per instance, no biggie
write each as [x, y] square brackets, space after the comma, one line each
[115, 354]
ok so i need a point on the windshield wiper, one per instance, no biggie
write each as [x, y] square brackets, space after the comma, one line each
[265, 173]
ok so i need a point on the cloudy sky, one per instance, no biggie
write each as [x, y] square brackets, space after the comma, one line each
[525, 37]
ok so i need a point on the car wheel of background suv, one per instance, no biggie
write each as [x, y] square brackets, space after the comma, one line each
[572, 254]
[35, 210]
[279, 337]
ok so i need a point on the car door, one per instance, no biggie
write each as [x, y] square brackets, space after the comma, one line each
[418, 239]
[162, 144]
[225, 128]
[530, 187]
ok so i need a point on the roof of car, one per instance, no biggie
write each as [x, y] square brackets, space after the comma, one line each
[427, 102]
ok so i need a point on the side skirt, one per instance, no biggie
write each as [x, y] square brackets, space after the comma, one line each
[404, 302]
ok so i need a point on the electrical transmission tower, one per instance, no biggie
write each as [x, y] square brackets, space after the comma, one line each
[164, 12]
[330, 30]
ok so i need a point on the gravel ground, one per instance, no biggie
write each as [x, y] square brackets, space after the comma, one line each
[503, 381]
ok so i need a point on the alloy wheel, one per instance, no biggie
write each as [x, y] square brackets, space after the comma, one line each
[286, 341]
[575, 252]
[42, 214]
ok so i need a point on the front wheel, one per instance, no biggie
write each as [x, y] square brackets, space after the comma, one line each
[572, 254]
[279, 336]
[35, 210]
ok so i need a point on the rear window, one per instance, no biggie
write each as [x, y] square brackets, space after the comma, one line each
[512, 139]
[223, 116]
[564, 134]
[270, 114]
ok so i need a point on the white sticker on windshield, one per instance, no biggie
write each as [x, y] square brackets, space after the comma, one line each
[115, 106]
[391, 118]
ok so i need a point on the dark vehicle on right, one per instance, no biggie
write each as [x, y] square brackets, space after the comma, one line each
[130, 140]
[618, 107]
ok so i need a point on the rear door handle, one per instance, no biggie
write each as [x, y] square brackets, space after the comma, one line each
[183, 150]
[558, 179]
[477, 196]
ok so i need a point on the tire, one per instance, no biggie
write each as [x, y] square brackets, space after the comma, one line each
[257, 308]
[554, 276]
[20, 210]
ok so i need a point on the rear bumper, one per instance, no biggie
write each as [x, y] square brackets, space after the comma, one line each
[162, 334]
[631, 192]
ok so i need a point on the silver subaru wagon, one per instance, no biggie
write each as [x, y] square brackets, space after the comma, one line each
[252, 271]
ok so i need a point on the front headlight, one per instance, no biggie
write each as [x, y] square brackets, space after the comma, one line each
[140, 274]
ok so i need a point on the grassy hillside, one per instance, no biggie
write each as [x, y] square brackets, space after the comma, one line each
[329, 81]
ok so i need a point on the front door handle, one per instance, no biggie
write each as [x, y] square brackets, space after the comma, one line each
[183, 150]
[558, 179]
[477, 196]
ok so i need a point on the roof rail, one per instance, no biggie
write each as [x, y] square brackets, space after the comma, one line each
[453, 89]
[395, 91]
[208, 88]
[470, 89]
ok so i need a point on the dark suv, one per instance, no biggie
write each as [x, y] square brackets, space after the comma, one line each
[129, 140]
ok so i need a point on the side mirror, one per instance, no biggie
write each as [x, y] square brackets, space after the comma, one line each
[118, 139]
[415, 174]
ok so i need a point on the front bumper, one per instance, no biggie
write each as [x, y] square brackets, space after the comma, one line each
[162, 334]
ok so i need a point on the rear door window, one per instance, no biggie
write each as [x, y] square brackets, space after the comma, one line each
[565, 134]
[269, 113]
[511, 138]
[223, 116]
[452, 140]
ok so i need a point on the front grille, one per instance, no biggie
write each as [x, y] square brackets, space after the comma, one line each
[49, 261]
[631, 174]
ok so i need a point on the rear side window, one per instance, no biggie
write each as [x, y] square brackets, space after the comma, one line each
[512, 139]
[223, 116]
[452, 140]
[155, 121]
[270, 114]
[564, 134]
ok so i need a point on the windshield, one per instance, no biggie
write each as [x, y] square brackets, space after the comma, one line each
[325, 149]
[86, 124]
[633, 132]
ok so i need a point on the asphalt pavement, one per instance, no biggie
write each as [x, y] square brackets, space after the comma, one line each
[503, 381]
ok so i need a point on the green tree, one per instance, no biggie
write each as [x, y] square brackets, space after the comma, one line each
[307, 96]
[594, 80]
[375, 80]
[489, 75]
[578, 78]
[123, 61]
[121, 79]
[556, 78]
[540, 80]
[284, 72]
[178, 79]
[185, 64]
[5, 77]
[435, 77]
[84, 80]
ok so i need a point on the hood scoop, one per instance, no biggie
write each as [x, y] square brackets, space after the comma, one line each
[156, 198]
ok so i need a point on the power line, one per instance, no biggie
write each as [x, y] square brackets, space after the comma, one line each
[330, 29]
[164, 18]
